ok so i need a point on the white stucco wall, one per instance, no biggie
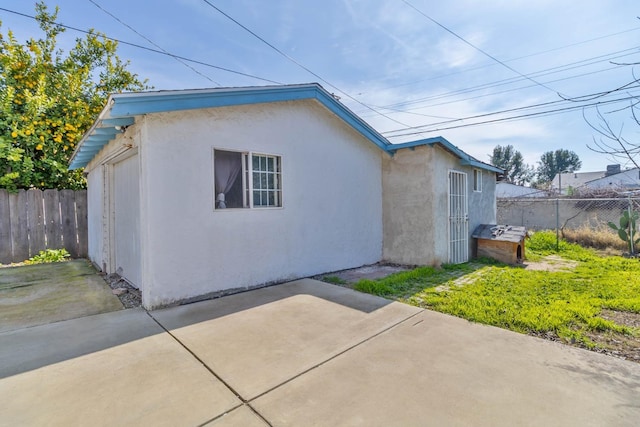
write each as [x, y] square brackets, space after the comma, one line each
[100, 213]
[332, 190]
[415, 204]
[94, 216]
[409, 208]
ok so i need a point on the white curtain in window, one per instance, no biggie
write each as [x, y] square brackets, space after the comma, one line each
[227, 166]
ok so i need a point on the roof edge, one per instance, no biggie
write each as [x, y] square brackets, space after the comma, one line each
[128, 106]
[465, 159]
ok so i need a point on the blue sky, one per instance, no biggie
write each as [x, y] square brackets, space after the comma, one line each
[390, 62]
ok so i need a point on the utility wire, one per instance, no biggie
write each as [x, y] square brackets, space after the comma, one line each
[193, 61]
[520, 117]
[527, 107]
[154, 44]
[300, 64]
[493, 94]
[477, 48]
[554, 70]
[479, 67]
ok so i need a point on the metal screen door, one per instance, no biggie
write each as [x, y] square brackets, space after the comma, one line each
[458, 218]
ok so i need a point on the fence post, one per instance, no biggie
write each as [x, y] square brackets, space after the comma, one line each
[557, 224]
[631, 246]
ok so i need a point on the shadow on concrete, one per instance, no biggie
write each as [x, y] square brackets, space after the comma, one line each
[31, 348]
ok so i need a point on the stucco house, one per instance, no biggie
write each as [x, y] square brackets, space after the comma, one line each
[197, 193]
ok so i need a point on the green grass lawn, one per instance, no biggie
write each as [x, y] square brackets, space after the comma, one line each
[566, 302]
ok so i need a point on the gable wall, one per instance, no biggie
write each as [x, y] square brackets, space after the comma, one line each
[332, 190]
[415, 204]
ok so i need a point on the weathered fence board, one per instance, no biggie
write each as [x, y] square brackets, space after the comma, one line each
[5, 229]
[19, 227]
[34, 220]
[52, 227]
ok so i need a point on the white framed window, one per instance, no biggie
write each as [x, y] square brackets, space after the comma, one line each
[247, 180]
[477, 180]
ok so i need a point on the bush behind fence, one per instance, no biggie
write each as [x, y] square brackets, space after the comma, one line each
[35, 220]
[566, 214]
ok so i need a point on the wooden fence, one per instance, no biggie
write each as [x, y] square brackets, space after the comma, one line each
[34, 220]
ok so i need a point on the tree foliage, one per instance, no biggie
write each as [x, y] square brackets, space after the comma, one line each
[511, 160]
[49, 99]
[553, 162]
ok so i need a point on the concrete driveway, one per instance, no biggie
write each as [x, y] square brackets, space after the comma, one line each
[304, 353]
[38, 294]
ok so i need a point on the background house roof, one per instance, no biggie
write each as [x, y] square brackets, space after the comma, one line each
[575, 179]
[506, 190]
[123, 108]
[628, 179]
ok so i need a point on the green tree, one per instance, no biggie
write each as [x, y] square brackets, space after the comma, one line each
[511, 160]
[49, 99]
[553, 162]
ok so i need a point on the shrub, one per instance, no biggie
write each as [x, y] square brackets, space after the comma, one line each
[49, 255]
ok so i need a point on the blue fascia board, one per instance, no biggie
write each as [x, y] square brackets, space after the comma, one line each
[99, 138]
[105, 131]
[119, 121]
[465, 159]
[123, 109]
[127, 106]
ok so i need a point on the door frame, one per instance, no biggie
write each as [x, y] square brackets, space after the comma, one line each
[457, 217]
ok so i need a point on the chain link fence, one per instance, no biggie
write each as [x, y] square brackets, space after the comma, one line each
[566, 216]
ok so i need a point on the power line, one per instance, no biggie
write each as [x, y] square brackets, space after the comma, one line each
[154, 44]
[520, 117]
[148, 49]
[497, 93]
[541, 73]
[280, 52]
[479, 67]
[527, 107]
[476, 47]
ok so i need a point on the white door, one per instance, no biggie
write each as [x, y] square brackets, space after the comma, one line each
[126, 224]
[458, 218]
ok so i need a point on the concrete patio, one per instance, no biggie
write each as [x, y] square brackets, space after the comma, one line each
[304, 353]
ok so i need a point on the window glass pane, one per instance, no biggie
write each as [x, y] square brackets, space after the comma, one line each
[266, 181]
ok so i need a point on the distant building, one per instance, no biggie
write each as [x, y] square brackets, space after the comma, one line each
[613, 179]
[506, 190]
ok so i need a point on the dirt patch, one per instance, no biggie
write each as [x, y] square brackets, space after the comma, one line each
[616, 344]
[551, 263]
[352, 275]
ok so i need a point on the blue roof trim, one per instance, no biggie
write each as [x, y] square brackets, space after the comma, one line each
[122, 109]
[465, 159]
